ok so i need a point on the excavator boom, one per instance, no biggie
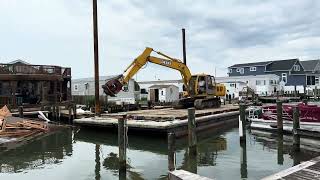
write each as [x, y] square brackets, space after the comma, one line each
[114, 85]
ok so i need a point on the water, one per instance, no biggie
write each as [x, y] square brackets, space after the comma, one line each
[93, 155]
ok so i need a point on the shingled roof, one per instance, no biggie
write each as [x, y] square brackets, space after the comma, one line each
[310, 65]
[264, 63]
[279, 65]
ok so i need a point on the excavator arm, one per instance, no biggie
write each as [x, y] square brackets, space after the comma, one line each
[114, 85]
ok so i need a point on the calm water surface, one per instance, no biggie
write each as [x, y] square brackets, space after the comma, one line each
[91, 154]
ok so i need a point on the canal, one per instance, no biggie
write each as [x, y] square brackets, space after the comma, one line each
[89, 154]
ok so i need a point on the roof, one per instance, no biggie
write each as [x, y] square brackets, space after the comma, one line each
[18, 61]
[310, 65]
[264, 63]
[279, 65]
[160, 86]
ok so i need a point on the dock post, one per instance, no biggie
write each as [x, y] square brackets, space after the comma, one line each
[315, 93]
[243, 122]
[296, 126]
[192, 136]
[279, 117]
[243, 160]
[171, 151]
[74, 111]
[122, 142]
[280, 149]
[295, 91]
[20, 108]
[70, 116]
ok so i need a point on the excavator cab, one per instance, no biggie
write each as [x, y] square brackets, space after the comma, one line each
[201, 84]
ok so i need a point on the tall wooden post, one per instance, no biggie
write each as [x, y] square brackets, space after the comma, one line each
[295, 91]
[243, 160]
[98, 163]
[96, 57]
[192, 136]
[296, 126]
[279, 117]
[280, 149]
[315, 93]
[242, 122]
[171, 151]
[122, 142]
[20, 108]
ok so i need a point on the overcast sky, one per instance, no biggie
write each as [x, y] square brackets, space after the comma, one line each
[219, 33]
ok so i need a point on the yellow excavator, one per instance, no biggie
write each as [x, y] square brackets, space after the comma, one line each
[200, 90]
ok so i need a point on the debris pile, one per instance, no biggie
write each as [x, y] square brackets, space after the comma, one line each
[18, 128]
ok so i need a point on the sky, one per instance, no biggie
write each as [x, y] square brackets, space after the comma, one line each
[218, 33]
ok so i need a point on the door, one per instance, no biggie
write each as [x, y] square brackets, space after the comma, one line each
[156, 95]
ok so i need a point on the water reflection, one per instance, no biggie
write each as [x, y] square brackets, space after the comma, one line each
[243, 159]
[50, 149]
[219, 155]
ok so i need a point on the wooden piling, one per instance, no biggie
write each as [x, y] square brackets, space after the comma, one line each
[192, 136]
[315, 93]
[70, 114]
[296, 126]
[243, 160]
[295, 91]
[122, 135]
[279, 117]
[171, 151]
[20, 109]
[242, 110]
[74, 111]
[280, 149]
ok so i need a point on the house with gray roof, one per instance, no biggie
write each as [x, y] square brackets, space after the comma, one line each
[291, 72]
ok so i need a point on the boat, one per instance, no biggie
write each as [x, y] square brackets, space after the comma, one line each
[265, 117]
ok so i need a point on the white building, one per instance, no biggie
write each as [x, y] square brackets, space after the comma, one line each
[262, 84]
[163, 93]
[85, 87]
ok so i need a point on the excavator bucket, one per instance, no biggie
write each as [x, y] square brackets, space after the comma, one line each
[112, 87]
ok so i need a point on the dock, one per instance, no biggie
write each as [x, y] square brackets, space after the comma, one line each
[185, 175]
[166, 120]
[308, 170]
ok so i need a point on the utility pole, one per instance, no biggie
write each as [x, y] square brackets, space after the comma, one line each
[96, 57]
[184, 46]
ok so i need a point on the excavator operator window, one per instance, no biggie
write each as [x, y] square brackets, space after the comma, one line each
[210, 85]
[202, 84]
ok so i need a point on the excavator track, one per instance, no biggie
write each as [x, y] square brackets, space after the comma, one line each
[207, 103]
[184, 103]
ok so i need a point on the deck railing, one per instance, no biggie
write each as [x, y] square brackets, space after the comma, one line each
[34, 69]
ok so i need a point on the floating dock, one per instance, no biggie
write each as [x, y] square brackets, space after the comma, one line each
[166, 120]
[308, 170]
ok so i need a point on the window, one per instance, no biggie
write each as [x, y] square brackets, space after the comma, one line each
[76, 87]
[284, 77]
[258, 82]
[311, 80]
[317, 80]
[86, 85]
[253, 68]
[296, 68]
[230, 70]
[162, 93]
[241, 70]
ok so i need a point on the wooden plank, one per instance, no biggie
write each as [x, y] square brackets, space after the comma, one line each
[185, 175]
[308, 170]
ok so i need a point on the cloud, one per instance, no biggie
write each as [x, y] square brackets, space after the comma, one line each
[219, 33]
